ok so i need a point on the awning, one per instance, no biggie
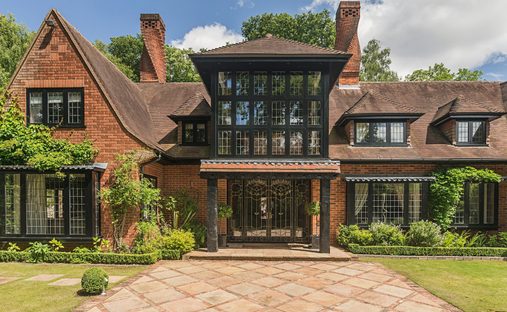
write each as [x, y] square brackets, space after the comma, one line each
[388, 179]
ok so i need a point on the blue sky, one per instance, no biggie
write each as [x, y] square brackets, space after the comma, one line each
[459, 33]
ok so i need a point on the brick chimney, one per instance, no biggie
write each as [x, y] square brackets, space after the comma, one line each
[347, 21]
[153, 65]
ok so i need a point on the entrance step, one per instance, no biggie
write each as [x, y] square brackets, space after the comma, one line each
[270, 254]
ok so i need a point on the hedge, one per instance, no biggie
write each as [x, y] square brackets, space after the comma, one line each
[169, 254]
[88, 257]
[429, 251]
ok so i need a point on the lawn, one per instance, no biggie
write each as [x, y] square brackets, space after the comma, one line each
[21, 295]
[468, 285]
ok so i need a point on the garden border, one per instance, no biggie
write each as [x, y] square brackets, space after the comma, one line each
[430, 252]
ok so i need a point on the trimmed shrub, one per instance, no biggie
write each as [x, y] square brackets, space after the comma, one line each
[352, 234]
[94, 281]
[180, 240]
[424, 234]
[386, 234]
[429, 251]
[168, 254]
[14, 256]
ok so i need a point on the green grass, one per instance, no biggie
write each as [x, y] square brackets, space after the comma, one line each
[468, 285]
[21, 295]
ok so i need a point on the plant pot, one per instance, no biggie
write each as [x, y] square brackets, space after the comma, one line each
[315, 242]
[222, 240]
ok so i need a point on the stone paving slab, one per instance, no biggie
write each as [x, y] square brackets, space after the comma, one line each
[66, 282]
[267, 286]
[44, 277]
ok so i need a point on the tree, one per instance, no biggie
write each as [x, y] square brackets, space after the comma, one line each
[375, 63]
[179, 66]
[14, 41]
[312, 28]
[439, 72]
[127, 69]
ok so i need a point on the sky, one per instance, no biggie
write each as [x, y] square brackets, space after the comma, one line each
[459, 33]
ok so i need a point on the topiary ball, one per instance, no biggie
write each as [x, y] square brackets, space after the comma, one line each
[94, 281]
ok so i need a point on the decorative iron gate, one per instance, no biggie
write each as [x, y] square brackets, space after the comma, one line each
[269, 210]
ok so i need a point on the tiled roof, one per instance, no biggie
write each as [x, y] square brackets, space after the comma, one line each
[461, 105]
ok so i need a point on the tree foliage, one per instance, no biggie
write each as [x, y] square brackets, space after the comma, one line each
[34, 145]
[448, 188]
[309, 27]
[14, 40]
[126, 193]
[439, 72]
[375, 63]
[179, 66]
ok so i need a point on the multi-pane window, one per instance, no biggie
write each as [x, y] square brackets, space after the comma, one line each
[478, 205]
[194, 133]
[390, 202]
[471, 132]
[77, 204]
[380, 133]
[262, 113]
[62, 107]
[10, 204]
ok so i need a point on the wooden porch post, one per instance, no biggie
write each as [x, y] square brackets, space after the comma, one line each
[324, 246]
[212, 242]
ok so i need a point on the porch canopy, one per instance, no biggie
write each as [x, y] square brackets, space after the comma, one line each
[321, 169]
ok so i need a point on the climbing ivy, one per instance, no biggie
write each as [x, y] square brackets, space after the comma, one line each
[34, 145]
[448, 189]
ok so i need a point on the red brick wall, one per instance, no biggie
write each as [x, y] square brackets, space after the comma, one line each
[54, 63]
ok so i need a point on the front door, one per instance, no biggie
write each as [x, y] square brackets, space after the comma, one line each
[269, 210]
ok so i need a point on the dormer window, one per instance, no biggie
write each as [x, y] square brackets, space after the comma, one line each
[194, 133]
[385, 133]
[471, 132]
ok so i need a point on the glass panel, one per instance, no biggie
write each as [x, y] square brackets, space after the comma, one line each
[242, 83]
[361, 203]
[473, 203]
[261, 83]
[224, 83]
[242, 142]
[55, 107]
[11, 204]
[200, 133]
[296, 83]
[314, 142]
[224, 142]
[242, 113]
[414, 202]
[278, 83]
[314, 113]
[97, 204]
[77, 203]
[459, 217]
[489, 203]
[379, 134]
[36, 107]
[296, 113]
[74, 107]
[362, 132]
[188, 133]
[314, 83]
[462, 131]
[278, 111]
[224, 113]
[296, 143]
[260, 143]
[388, 202]
[478, 132]
[397, 132]
[260, 113]
[278, 141]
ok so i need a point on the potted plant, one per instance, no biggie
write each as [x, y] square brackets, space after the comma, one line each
[224, 213]
[313, 210]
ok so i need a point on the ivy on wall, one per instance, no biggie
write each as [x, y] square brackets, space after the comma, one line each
[449, 187]
[34, 145]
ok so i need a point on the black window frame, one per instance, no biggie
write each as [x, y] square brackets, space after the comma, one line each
[65, 123]
[470, 142]
[268, 127]
[388, 123]
[466, 208]
[194, 124]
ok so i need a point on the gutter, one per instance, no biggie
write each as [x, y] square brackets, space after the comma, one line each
[155, 159]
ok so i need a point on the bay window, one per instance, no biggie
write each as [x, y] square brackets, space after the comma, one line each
[62, 107]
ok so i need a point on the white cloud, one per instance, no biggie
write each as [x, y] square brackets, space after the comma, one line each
[207, 37]
[245, 3]
[317, 3]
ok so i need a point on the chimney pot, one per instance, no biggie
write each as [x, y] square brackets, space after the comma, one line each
[153, 63]
[347, 40]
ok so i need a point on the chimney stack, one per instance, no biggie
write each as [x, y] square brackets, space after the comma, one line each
[347, 22]
[153, 64]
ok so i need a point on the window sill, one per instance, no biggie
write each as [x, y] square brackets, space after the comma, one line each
[379, 145]
[470, 145]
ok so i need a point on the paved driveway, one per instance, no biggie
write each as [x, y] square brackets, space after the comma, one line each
[200, 285]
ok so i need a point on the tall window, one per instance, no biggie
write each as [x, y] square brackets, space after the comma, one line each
[471, 132]
[63, 107]
[10, 204]
[478, 206]
[262, 113]
[380, 133]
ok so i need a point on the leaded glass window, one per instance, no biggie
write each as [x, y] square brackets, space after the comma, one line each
[388, 202]
[314, 83]
[278, 145]
[224, 83]
[260, 143]
[77, 204]
[224, 142]
[62, 107]
[380, 133]
[242, 83]
[415, 202]
[278, 82]
[296, 83]
[36, 114]
[261, 83]
[74, 108]
[242, 142]
[278, 110]
[260, 113]
[479, 205]
[471, 132]
[314, 142]
[296, 143]
[10, 204]
[224, 113]
[242, 113]
[296, 113]
[314, 113]
[55, 107]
